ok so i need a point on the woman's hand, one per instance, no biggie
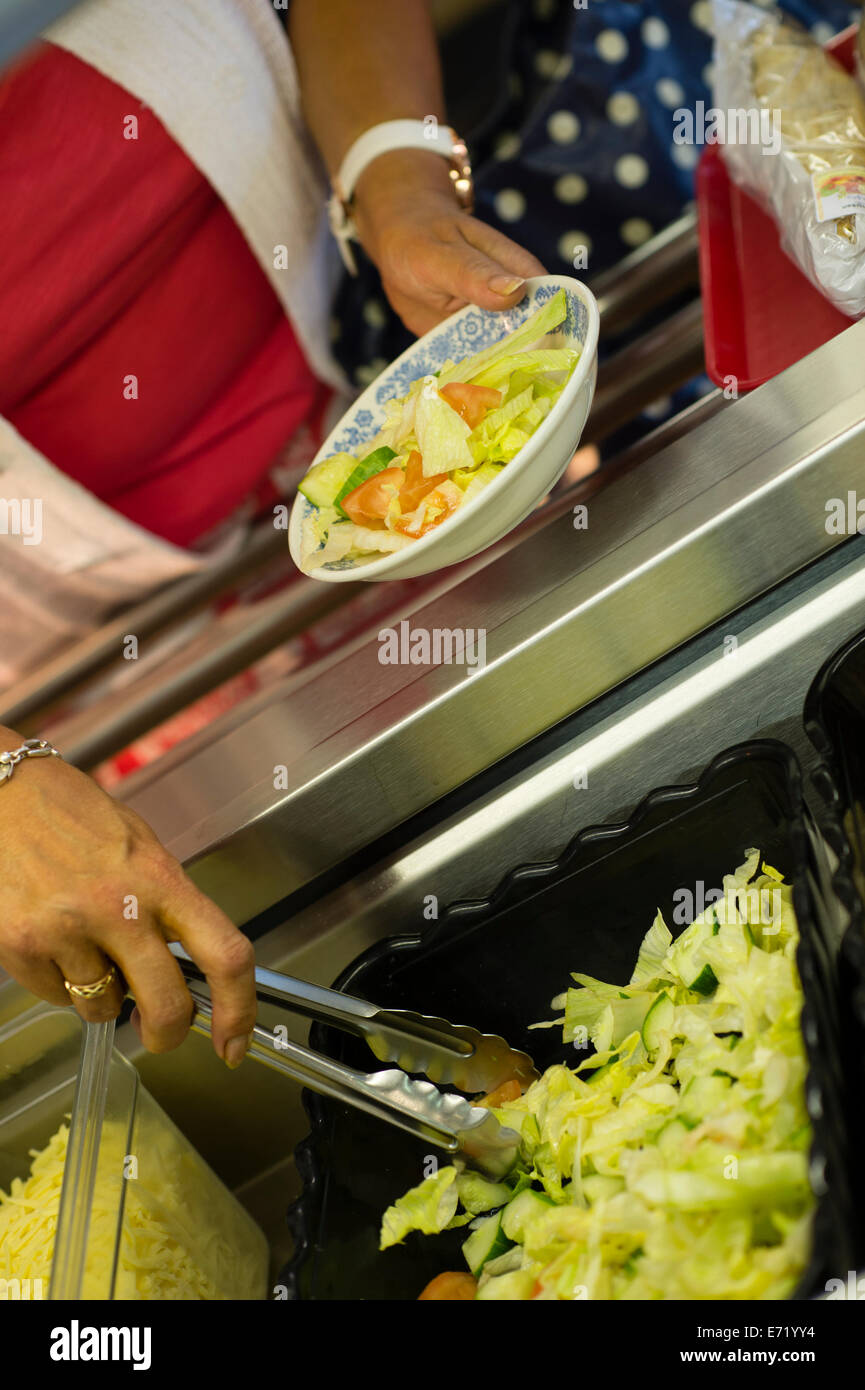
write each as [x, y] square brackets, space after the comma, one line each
[433, 257]
[86, 884]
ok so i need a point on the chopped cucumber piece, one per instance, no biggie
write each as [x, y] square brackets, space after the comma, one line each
[523, 1209]
[324, 480]
[601, 1071]
[687, 956]
[479, 1195]
[486, 1243]
[658, 1022]
[706, 982]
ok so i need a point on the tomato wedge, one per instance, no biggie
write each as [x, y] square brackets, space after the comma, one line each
[455, 1287]
[471, 402]
[416, 486]
[509, 1090]
[433, 509]
[369, 502]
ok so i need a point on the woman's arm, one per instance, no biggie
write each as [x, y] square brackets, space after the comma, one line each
[86, 884]
[359, 65]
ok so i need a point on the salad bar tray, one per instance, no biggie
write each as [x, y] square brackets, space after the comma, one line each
[501, 961]
[835, 721]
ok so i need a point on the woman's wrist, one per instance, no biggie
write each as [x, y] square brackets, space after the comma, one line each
[395, 179]
[16, 750]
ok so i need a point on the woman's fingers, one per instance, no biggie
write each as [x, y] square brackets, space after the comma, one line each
[224, 954]
[478, 265]
[155, 981]
[499, 248]
[82, 963]
[37, 974]
[456, 269]
[93, 887]
[433, 266]
[420, 315]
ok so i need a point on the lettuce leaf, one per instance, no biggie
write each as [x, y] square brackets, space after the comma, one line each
[442, 434]
[544, 320]
[680, 1172]
[428, 1207]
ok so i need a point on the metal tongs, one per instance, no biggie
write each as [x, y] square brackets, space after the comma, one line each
[447, 1053]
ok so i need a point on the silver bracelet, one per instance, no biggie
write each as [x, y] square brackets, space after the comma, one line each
[30, 748]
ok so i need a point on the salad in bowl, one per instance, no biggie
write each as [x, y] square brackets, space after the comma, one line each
[448, 450]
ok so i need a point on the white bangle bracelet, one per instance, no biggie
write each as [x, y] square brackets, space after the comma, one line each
[380, 139]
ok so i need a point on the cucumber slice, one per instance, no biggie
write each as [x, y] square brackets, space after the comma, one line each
[658, 1021]
[324, 480]
[486, 1243]
[598, 1072]
[523, 1209]
[367, 468]
[478, 1195]
[687, 958]
[706, 982]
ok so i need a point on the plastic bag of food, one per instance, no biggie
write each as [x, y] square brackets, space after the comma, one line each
[793, 130]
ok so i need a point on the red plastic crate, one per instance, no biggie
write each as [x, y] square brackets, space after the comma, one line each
[761, 314]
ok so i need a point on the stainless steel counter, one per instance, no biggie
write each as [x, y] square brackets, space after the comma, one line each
[716, 518]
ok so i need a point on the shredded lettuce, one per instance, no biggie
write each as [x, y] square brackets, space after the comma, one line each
[343, 539]
[653, 951]
[537, 325]
[442, 434]
[428, 1207]
[481, 478]
[541, 360]
[676, 1152]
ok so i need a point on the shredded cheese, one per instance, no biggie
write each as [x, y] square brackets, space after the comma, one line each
[180, 1237]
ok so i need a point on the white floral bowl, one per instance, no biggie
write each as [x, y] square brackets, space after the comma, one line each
[509, 499]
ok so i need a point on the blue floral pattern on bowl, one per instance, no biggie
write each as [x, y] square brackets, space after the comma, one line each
[453, 341]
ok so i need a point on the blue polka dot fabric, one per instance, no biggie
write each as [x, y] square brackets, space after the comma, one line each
[578, 162]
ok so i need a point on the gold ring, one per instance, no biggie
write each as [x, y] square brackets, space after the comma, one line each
[93, 991]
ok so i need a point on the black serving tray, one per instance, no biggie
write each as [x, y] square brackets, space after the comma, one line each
[835, 722]
[498, 963]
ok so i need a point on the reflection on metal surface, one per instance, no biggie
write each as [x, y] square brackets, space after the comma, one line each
[664, 731]
[229, 645]
[655, 365]
[170, 605]
[717, 517]
[649, 276]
